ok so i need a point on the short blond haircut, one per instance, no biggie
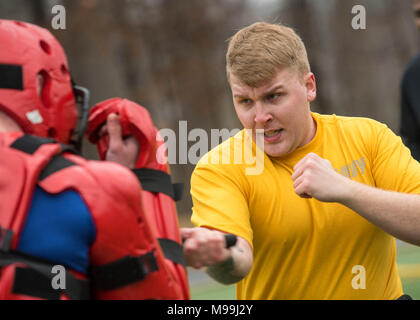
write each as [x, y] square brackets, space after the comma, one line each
[255, 53]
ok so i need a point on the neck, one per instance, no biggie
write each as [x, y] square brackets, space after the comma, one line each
[7, 124]
[311, 131]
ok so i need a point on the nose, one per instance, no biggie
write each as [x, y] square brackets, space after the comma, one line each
[262, 116]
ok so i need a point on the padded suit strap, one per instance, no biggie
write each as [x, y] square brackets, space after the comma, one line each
[124, 271]
[30, 144]
[172, 251]
[158, 181]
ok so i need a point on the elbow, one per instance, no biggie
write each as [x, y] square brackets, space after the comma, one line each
[230, 280]
[224, 278]
[229, 271]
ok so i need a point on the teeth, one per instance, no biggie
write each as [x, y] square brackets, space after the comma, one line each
[271, 133]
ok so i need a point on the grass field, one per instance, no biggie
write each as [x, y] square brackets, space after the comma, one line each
[408, 259]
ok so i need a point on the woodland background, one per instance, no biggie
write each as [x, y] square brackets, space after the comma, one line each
[169, 56]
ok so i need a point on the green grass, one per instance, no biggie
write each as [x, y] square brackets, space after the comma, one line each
[412, 288]
[214, 292]
[408, 259]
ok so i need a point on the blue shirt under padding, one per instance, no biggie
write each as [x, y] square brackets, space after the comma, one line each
[59, 228]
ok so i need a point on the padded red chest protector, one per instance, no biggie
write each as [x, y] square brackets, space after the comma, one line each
[126, 259]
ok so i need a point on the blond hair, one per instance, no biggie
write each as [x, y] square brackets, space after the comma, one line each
[255, 53]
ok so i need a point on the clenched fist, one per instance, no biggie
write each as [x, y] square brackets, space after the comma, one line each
[315, 177]
[204, 247]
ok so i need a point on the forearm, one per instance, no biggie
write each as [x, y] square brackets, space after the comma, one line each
[204, 247]
[235, 268]
[396, 213]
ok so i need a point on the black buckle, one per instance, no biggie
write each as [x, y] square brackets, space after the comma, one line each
[6, 236]
[138, 267]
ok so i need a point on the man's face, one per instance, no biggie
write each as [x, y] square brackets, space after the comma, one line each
[416, 10]
[280, 107]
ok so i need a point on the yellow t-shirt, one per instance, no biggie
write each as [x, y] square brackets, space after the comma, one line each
[304, 248]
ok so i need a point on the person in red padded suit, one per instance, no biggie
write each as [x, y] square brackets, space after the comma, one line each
[91, 217]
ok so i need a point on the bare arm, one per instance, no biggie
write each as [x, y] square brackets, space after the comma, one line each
[396, 213]
[206, 248]
[236, 267]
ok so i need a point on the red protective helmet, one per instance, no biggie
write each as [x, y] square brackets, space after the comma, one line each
[35, 84]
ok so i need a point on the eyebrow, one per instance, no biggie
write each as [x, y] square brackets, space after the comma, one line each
[240, 96]
[270, 91]
[280, 86]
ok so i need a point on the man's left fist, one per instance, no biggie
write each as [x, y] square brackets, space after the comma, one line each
[315, 177]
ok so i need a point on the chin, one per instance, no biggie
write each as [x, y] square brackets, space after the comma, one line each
[272, 152]
[283, 148]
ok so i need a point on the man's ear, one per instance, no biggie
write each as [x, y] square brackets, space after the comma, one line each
[310, 84]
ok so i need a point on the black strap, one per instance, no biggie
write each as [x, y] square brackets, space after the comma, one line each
[30, 144]
[11, 77]
[122, 272]
[57, 163]
[158, 181]
[172, 251]
[29, 282]
[35, 280]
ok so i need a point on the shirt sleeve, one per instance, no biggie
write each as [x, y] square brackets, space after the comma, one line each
[393, 167]
[219, 195]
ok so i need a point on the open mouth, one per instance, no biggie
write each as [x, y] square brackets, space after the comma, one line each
[272, 136]
[272, 133]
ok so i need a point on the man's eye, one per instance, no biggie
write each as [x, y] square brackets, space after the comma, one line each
[274, 96]
[245, 101]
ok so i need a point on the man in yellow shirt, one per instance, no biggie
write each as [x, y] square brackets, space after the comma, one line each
[319, 220]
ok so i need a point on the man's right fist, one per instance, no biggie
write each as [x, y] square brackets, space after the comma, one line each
[204, 247]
